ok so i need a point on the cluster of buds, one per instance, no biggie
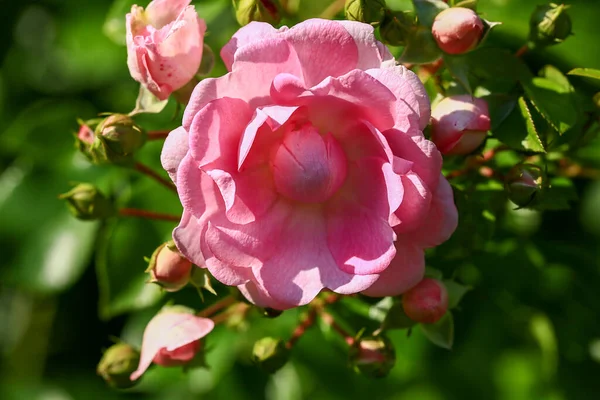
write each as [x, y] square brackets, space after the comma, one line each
[113, 139]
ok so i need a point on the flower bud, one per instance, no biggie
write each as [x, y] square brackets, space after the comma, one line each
[117, 364]
[172, 338]
[118, 138]
[396, 27]
[373, 356]
[427, 302]
[549, 24]
[247, 11]
[86, 202]
[460, 124]
[367, 11]
[523, 183]
[168, 268]
[457, 30]
[270, 354]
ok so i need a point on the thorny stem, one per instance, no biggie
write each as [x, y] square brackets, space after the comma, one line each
[316, 307]
[329, 320]
[216, 307]
[149, 172]
[157, 135]
[133, 212]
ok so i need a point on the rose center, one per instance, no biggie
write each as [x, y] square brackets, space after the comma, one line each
[307, 166]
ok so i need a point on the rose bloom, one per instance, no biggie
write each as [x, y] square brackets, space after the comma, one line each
[305, 167]
[164, 45]
[172, 338]
[460, 124]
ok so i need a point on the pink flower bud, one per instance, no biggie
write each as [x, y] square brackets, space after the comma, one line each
[427, 302]
[168, 268]
[172, 338]
[164, 45]
[459, 124]
[457, 30]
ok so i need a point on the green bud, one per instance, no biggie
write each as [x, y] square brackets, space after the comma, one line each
[247, 11]
[117, 364]
[118, 137]
[524, 183]
[86, 202]
[549, 24]
[397, 27]
[368, 11]
[373, 356]
[270, 354]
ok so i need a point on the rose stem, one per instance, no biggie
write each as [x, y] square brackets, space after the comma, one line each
[524, 49]
[308, 321]
[215, 307]
[147, 171]
[158, 135]
[133, 212]
[329, 320]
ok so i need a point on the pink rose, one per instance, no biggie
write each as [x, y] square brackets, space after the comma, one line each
[427, 302]
[172, 338]
[460, 124]
[305, 167]
[457, 30]
[164, 45]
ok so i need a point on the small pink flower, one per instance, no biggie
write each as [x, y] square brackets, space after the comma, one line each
[457, 30]
[164, 45]
[169, 269]
[85, 134]
[172, 338]
[460, 124]
[305, 167]
[427, 302]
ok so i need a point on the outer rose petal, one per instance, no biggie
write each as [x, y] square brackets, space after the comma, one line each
[441, 220]
[252, 32]
[170, 331]
[370, 53]
[415, 204]
[161, 12]
[174, 149]
[405, 271]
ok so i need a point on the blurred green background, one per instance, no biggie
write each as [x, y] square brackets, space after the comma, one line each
[529, 330]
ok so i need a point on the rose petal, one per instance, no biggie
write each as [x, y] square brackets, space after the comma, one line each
[174, 149]
[370, 52]
[252, 32]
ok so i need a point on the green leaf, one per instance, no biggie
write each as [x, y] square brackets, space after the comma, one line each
[394, 315]
[456, 291]
[500, 107]
[585, 72]
[553, 102]
[120, 267]
[420, 48]
[458, 66]
[53, 257]
[557, 196]
[427, 10]
[441, 333]
[148, 103]
[379, 311]
[518, 129]
[556, 76]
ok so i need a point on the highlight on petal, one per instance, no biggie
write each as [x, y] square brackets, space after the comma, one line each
[174, 149]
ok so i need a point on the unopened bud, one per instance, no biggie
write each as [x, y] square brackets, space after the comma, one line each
[117, 364]
[247, 11]
[86, 202]
[427, 302]
[457, 30]
[396, 27]
[168, 268]
[373, 356]
[270, 354]
[523, 184]
[460, 124]
[120, 137]
[367, 11]
[549, 24]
